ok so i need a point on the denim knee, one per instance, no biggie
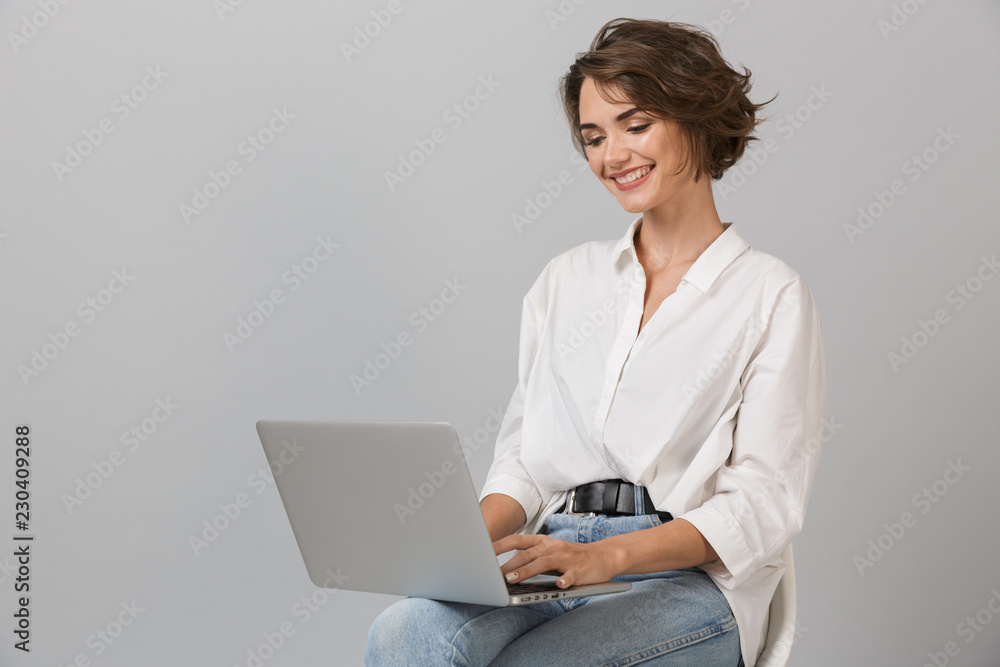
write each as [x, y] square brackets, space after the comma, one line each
[391, 635]
[414, 631]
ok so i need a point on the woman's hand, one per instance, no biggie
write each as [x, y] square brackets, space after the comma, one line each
[674, 545]
[574, 563]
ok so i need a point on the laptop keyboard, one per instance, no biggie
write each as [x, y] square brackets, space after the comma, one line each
[517, 589]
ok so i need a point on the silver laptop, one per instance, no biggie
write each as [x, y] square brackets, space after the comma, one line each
[391, 508]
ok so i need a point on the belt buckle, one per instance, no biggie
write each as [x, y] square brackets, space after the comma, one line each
[570, 504]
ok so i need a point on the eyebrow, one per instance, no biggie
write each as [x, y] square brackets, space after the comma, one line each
[620, 117]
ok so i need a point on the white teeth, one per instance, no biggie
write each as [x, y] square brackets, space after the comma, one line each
[634, 175]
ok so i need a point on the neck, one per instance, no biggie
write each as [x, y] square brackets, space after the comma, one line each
[678, 230]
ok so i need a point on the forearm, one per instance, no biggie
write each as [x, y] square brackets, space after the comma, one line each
[503, 515]
[675, 545]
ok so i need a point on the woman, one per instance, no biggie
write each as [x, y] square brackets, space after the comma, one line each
[671, 396]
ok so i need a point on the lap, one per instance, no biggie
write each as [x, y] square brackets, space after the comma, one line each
[680, 618]
[432, 632]
[675, 618]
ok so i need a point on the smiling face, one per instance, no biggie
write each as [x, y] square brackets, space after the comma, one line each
[634, 154]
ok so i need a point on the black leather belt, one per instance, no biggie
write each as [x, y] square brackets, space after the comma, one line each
[612, 497]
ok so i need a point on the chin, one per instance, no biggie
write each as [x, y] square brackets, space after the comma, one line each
[631, 206]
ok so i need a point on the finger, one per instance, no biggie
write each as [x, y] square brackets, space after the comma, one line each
[527, 555]
[512, 542]
[567, 579]
[537, 565]
[520, 560]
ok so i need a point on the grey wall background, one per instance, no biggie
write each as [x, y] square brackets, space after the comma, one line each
[887, 95]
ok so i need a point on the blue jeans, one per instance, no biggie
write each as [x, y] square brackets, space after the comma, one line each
[677, 618]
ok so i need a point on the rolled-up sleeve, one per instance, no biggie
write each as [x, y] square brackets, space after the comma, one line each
[507, 474]
[762, 491]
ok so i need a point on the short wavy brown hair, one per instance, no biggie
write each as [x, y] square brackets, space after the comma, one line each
[673, 71]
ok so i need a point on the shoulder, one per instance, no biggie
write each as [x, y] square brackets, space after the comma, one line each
[770, 275]
[584, 262]
[585, 257]
[769, 285]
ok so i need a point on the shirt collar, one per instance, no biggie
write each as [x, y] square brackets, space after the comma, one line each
[726, 248]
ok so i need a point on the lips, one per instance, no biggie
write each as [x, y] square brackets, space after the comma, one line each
[632, 178]
[628, 176]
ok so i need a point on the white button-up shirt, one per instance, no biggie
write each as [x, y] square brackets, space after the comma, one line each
[718, 406]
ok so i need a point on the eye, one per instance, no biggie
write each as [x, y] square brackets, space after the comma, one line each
[635, 129]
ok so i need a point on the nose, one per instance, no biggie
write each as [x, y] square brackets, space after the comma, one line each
[616, 153]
